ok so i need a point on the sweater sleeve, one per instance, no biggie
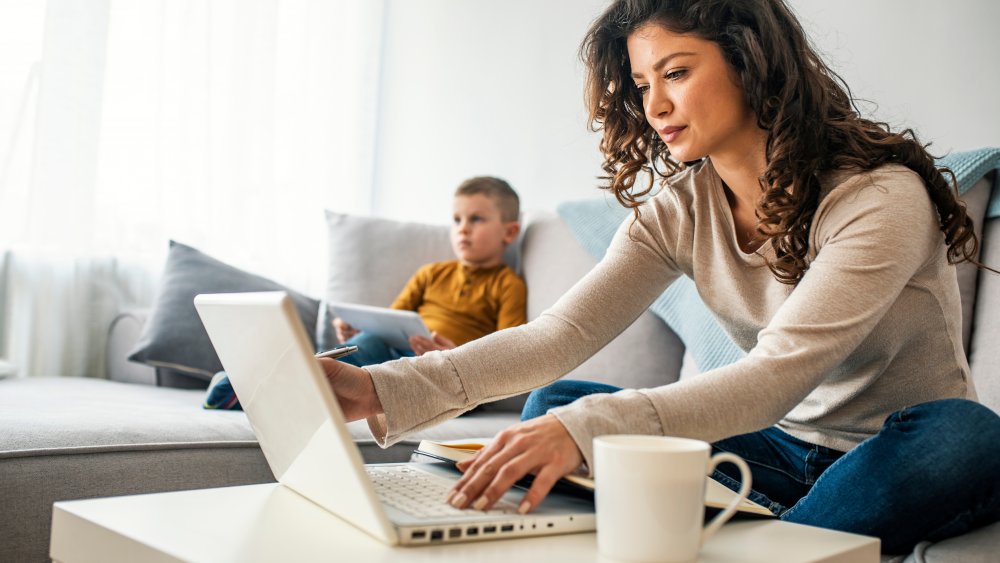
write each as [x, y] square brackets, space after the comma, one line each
[869, 242]
[423, 391]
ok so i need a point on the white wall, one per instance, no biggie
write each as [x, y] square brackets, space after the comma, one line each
[927, 64]
[482, 87]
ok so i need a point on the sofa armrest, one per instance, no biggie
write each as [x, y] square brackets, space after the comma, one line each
[122, 335]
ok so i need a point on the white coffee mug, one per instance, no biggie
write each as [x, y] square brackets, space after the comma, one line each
[650, 495]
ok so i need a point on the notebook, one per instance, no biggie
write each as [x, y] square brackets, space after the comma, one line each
[302, 432]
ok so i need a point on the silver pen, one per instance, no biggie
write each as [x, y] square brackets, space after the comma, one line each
[338, 352]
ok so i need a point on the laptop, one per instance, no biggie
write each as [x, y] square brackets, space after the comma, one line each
[301, 430]
[393, 326]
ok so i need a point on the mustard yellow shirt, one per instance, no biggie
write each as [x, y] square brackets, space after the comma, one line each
[463, 303]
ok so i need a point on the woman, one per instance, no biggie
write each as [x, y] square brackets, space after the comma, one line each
[822, 242]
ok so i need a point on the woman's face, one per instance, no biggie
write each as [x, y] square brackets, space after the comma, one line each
[690, 95]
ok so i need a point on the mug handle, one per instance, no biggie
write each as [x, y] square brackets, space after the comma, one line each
[730, 510]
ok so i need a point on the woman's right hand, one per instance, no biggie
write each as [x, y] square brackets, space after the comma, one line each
[344, 331]
[354, 389]
[541, 446]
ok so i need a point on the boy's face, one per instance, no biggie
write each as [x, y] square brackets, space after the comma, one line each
[478, 233]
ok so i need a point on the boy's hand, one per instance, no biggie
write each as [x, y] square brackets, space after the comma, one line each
[422, 345]
[344, 330]
[354, 389]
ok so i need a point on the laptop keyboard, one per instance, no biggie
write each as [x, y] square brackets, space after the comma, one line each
[422, 494]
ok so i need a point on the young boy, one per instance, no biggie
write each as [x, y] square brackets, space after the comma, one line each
[463, 299]
[459, 300]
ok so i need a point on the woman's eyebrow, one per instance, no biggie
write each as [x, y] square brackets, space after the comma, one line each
[658, 66]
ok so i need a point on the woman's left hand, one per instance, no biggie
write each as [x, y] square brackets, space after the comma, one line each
[541, 446]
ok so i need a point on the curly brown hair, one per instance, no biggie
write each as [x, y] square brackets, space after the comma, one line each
[811, 120]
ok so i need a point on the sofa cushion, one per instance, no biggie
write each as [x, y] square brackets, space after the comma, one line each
[976, 200]
[174, 337]
[984, 354]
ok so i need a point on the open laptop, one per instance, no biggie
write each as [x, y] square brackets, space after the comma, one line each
[301, 430]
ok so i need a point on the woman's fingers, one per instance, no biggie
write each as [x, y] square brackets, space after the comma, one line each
[541, 446]
[509, 474]
[478, 472]
[545, 479]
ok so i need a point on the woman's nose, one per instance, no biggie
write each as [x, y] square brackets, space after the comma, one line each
[658, 103]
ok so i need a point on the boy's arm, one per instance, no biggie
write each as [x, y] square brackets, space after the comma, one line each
[413, 293]
[513, 303]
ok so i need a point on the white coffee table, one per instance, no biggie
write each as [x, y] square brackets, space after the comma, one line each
[272, 523]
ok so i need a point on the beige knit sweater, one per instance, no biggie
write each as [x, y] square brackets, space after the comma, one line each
[873, 326]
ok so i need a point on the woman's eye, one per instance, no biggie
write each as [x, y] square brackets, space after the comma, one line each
[676, 74]
[642, 88]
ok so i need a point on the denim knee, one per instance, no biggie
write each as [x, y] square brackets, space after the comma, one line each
[976, 424]
[541, 400]
[559, 393]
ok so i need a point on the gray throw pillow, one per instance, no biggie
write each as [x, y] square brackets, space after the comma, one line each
[174, 337]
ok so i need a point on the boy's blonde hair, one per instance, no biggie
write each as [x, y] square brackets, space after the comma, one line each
[496, 189]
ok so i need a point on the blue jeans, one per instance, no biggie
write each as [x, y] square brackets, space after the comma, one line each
[372, 350]
[931, 472]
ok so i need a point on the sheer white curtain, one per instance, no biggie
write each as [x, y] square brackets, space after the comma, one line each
[225, 124]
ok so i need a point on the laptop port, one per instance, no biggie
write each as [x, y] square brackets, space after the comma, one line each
[455, 533]
[436, 535]
[472, 531]
[418, 535]
[507, 528]
[489, 529]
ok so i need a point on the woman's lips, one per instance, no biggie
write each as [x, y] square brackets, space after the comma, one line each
[668, 134]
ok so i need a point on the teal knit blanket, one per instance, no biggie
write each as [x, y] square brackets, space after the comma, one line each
[594, 222]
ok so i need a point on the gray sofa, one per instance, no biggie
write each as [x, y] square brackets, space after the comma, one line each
[71, 438]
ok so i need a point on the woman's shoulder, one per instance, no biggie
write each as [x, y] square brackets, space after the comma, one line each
[888, 191]
[889, 179]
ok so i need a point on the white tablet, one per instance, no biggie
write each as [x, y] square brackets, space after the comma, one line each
[393, 326]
